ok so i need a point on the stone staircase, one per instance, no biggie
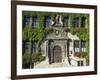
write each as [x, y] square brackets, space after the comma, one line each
[45, 64]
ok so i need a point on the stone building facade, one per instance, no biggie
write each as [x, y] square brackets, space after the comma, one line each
[61, 46]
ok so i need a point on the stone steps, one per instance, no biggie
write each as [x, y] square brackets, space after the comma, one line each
[45, 64]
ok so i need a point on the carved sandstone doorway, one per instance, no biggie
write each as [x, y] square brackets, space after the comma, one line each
[57, 54]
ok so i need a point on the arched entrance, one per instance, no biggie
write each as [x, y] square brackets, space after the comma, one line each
[57, 54]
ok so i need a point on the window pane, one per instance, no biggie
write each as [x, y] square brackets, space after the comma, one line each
[26, 21]
[47, 21]
[78, 63]
[83, 21]
[76, 22]
[83, 44]
[81, 63]
[35, 21]
[66, 21]
[76, 44]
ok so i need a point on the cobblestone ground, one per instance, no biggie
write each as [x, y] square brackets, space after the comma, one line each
[45, 64]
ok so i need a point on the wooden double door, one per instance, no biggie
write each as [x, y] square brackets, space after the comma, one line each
[57, 54]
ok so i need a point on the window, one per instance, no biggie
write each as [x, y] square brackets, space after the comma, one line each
[76, 46]
[79, 46]
[47, 21]
[80, 63]
[26, 21]
[83, 46]
[76, 22]
[35, 21]
[83, 22]
[66, 21]
[27, 47]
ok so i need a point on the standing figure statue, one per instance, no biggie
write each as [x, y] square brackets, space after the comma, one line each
[58, 21]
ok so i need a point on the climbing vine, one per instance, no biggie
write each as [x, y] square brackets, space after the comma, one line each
[38, 34]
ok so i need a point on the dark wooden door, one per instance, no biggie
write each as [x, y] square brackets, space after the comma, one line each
[57, 55]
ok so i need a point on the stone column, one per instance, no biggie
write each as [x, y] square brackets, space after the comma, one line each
[63, 51]
[50, 52]
[73, 47]
[68, 48]
[46, 50]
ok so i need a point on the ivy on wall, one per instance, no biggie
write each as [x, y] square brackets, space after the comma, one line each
[38, 34]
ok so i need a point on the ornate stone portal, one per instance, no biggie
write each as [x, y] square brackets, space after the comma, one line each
[57, 50]
[56, 45]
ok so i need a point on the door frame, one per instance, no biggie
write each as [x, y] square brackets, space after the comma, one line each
[55, 54]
